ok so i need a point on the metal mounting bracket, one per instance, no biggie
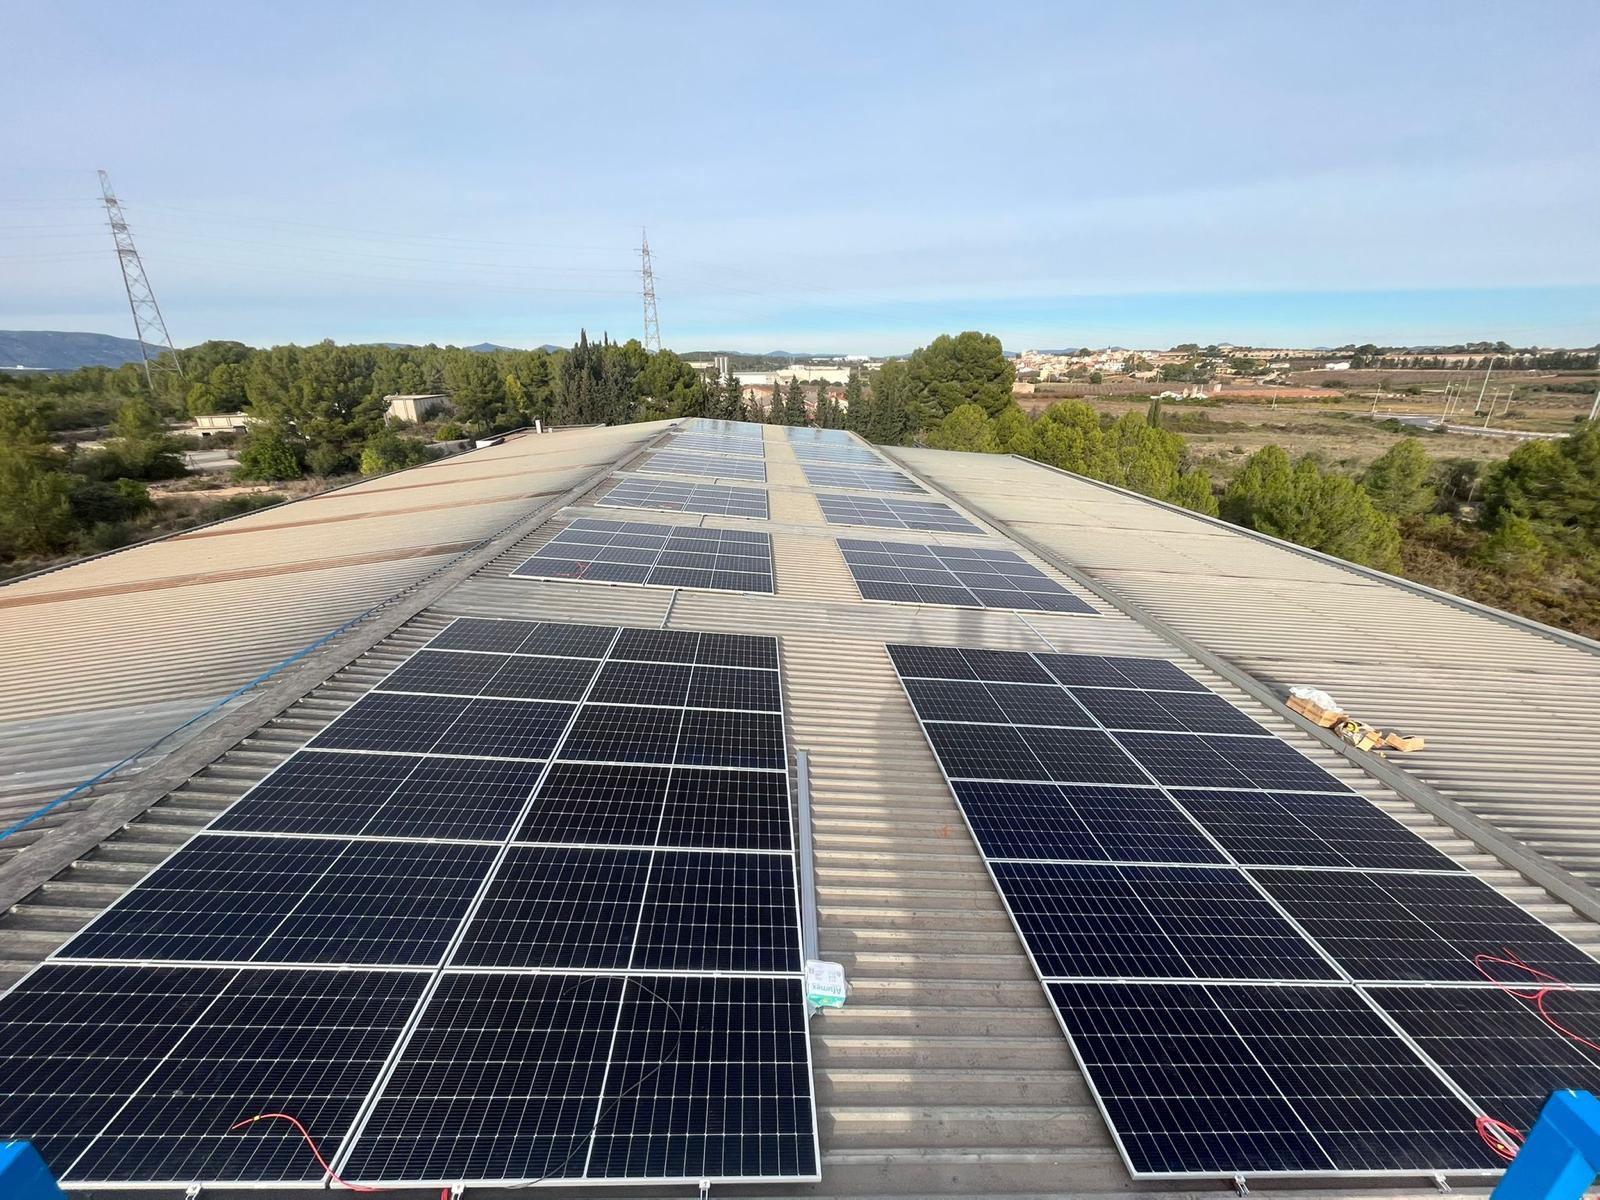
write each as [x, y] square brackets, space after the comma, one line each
[705, 1188]
[1441, 1183]
[192, 1192]
[1240, 1187]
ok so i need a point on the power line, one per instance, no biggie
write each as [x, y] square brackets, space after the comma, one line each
[148, 324]
[652, 323]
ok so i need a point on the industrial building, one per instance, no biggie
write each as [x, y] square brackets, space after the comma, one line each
[171, 678]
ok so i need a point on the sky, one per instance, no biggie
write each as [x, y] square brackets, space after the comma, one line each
[826, 177]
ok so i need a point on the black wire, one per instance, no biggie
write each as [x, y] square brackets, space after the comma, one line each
[584, 1142]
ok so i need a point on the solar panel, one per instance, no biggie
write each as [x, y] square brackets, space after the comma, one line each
[1227, 1080]
[1400, 926]
[270, 899]
[524, 912]
[123, 1074]
[1497, 1045]
[718, 444]
[670, 495]
[829, 446]
[653, 556]
[865, 478]
[1215, 919]
[892, 514]
[676, 461]
[743, 430]
[913, 573]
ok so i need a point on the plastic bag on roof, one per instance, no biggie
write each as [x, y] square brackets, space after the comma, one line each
[1315, 696]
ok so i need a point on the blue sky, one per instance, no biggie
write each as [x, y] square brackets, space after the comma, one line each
[853, 177]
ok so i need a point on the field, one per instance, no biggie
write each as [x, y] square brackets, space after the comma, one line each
[1349, 427]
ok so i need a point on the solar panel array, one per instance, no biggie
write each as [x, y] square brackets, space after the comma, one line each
[966, 576]
[527, 911]
[643, 552]
[673, 461]
[1259, 970]
[711, 499]
[867, 478]
[842, 509]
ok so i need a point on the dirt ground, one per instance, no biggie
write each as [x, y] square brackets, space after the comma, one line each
[1346, 428]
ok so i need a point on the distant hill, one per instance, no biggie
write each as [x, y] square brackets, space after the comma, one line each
[486, 348]
[55, 350]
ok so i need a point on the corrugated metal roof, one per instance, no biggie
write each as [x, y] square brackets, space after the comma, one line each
[99, 659]
[945, 1074]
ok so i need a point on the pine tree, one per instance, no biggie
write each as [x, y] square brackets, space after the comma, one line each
[794, 409]
[733, 399]
[853, 412]
[1398, 480]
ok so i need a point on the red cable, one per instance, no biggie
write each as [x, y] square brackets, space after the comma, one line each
[444, 1193]
[1549, 983]
[1506, 1140]
[322, 1162]
[1503, 1139]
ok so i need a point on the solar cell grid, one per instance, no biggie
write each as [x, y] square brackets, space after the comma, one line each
[501, 1080]
[558, 907]
[503, 729]
[906, 572]
[664, 556]
[1111, 922]
[1301, 829]
[734, 810]
[1404, 927]
[748, 430]
[385, 796]
[283, 900]
[712, 499]
[194, 1048]
[844, 509]
[589, 803]
[718, 444]
[1233, 1077]
[1497, 1046]
[1252, 1080]
[710, 465]
[726, 911]
[1053, 821]
[865, 478]
[687, 868]
[677, 1107]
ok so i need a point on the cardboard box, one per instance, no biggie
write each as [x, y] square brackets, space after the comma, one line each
[1403, 742]
[1325, 717]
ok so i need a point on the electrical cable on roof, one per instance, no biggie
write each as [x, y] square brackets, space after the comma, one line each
[444, 1193]
[1548, 983]
[1504, 1139]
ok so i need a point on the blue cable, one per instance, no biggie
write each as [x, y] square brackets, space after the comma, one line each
[199, 716]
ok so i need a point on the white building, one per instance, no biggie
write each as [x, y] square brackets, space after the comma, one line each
[415, 408]
[211, 423]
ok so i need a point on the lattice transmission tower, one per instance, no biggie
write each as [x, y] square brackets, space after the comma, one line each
[647, 276]
[148, 325]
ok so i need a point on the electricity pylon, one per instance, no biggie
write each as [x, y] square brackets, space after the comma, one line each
[647, 276]
[148, 325]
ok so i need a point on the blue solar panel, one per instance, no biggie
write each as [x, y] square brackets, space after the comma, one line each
[1216, 920]
[525, 824]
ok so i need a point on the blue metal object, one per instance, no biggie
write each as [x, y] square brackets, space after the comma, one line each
[23, 1175]
[1561, 1157]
